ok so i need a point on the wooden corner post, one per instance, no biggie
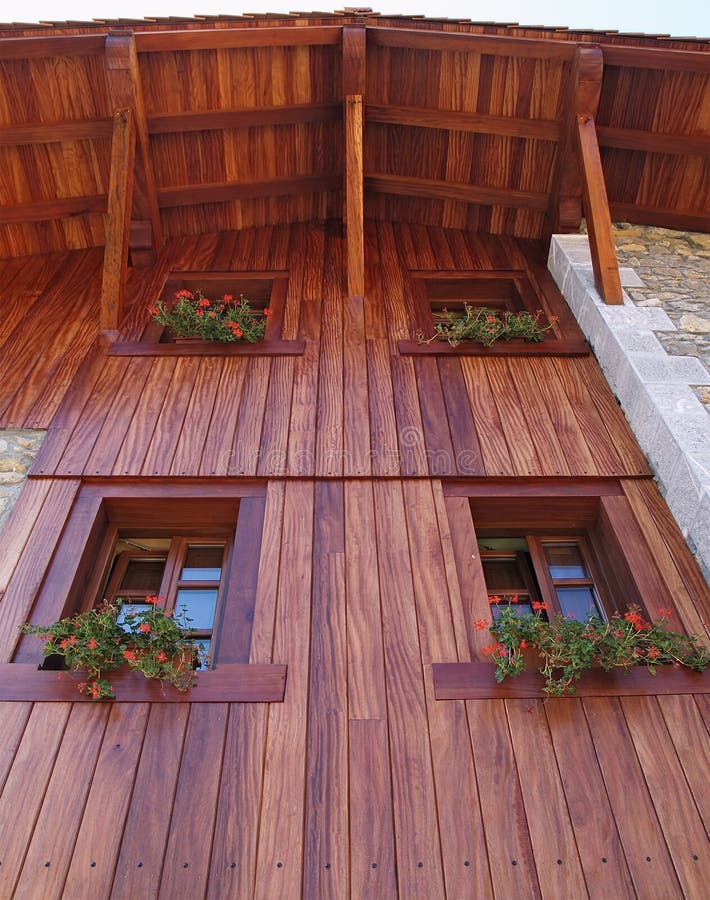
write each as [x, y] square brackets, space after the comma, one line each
[354, 89]
[120, 199]
[590, 65]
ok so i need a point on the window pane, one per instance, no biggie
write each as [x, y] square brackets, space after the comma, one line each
[205, 646]
[565, 561]
[519, 609]
[503, 576]
[143, 575]
[199, 606]
[131, 609]
[203, 563]
[578, 602]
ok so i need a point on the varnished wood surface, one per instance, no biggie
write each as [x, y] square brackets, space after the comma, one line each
[460, 416]
[361, 782]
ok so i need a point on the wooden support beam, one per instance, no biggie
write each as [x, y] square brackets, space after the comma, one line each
[256, 117]
[446, 190]
[234, 38]
[56, 45]
[354, 87]
[650, 58]
[120, 199]
[220, 192]
[653, 142]
[484, 44]
[46, 210]
[56, 132]
[681, 220]
[474, 123]
[126, 92]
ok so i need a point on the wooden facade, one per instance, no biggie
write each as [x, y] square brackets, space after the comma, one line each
[353, 465]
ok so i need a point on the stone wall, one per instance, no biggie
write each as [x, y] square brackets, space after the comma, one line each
[658, 390]
[673, 268]
[17, 450]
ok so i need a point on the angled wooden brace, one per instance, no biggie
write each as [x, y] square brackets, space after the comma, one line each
[354, 88]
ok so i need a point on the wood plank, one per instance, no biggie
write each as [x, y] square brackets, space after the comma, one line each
[372, 850]
[188, 452]
[491, 436]
[557, 861]
[473, 681]
[459, 814]
[187, 852]
[689, 736]
[267, 581]
[145, 833]
[237, 615]
[233, 859]
[19, 526]
[67, 790]
[277, 417]
[467, 451]
[245, 452]
[435, 420]
[653, 141]
[48, 210]
[54, 45]
[430, 188]
[636, 819]
[467, 122]
[484, 44]
[601, 854]
[99, 835]
[125, 89]
[680, 220]
[417, 837]
[120, 200]
[651, 58]
[233, 38]
[219, 436]
[14, 718]
[330, 459]
[677, 813]
[354, 194]
[31, 567]
[228, 683]
[596, 208]
[25, 787]
[55, 132]
[281, 837]
[507, 836]
[326, 852]
[250, 117]
[224, 191]
[524, 454]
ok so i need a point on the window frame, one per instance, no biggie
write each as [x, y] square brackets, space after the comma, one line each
[151, 341]
[522, 295]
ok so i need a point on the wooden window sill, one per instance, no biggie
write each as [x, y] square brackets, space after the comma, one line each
[475, 681]
[227, 683]
[560, 347]
[209, 348]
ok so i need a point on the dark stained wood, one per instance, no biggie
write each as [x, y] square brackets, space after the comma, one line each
[187, 851]
[231, 682]
[56, 45]
[46, 132]
[147, 825]
[227, 38]
[209, 348]
[650, 58]
[257, 117]
[471, 681]
[44, 210]
[472, 43]
[120, 199]
[218, 192]
[14, 716]
[476, 123]
[634, 139]
[99, 835]
[446, 190]
[681, 220]
[504, 348]
[687, 732]
[67, 790]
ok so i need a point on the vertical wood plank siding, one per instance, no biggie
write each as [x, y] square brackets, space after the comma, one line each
[361, 783]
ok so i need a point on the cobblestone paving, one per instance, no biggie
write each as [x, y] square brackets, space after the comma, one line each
[17, 450]
[675, 269]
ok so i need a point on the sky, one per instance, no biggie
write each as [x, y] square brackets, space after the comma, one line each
[676, 17]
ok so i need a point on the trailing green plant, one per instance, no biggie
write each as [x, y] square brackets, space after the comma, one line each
[193, 315]
[477, 323]
[567, 647]
[100, 641]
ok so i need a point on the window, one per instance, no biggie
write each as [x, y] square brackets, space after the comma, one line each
[261, 289]
[555, 571]
[185, 572]
[500, 291]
